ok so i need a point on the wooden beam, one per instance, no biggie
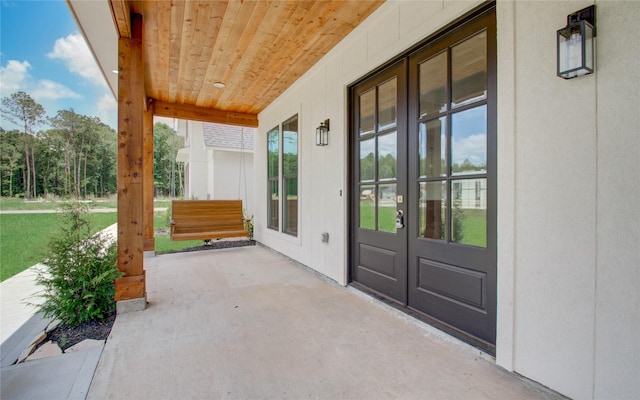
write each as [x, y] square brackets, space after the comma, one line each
[130, 164]
[195, 113]
[129, 287]
[147, 173]
[122, 17]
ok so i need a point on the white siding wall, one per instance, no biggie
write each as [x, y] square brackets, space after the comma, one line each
[229, 175]
[569, 192]
[199, 178]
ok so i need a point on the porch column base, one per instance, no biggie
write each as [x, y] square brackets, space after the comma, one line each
[132, 305]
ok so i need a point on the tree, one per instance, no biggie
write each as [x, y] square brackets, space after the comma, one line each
[22, 110]
[166, 173]
[11, 157]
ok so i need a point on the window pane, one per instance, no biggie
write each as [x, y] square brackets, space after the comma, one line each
[469, 70]
[469, 141]
[433, 84]
[367, 207]
[469, 212]
[387, 113]
[367, 160]
[367, 112]
[432, 148]
[290, 147]
[273, 204]
[387, 208]
[387, 155]
[273, 150]
[291, 206]
[432, 209]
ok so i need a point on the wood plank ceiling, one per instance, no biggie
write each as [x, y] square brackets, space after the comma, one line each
[256, 48]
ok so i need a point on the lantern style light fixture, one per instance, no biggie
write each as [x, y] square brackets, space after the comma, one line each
[322, 133]
[576, 55]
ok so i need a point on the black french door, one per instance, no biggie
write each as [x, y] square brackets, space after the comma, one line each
[423, 198]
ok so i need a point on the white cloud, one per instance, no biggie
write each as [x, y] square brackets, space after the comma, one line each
[74, 52]
[15, 77]
[472, 148]
[46, 89]
[108, 110]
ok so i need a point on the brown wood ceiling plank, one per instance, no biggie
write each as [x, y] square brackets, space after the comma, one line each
[218, 56]
[195, 113]
[177, 19]
[122, 17]
[258, 49]
[299, 29]
[247, 64]
[211, 32]
[189, 43]
[248, 44]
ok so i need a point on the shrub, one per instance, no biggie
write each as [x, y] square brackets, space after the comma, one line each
[78, 274]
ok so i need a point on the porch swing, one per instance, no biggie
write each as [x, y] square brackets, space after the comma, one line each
[211, 219]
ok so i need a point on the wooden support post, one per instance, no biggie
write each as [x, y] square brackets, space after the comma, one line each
[131, 287]
[147, 166]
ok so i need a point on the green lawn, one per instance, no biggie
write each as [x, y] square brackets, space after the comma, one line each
[24, 238]
[474, 224]
[163, 241]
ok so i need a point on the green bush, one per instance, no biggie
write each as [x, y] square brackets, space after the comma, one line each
[78, 274]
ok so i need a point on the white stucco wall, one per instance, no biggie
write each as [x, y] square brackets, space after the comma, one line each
[568, 192]
[233, 177]
[617, 302]
[569, 265]
[198, 181]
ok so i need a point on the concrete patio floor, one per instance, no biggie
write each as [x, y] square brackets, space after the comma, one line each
[247, 323]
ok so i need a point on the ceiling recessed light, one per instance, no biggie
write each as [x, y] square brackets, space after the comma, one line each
[219, 85]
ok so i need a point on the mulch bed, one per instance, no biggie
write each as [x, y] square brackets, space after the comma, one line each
[217, 244]
[66, 336]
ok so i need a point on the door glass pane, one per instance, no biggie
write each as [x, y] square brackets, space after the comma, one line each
[291, 206]
[367, 159]
[387, 113]
[273, 204]
[290, 147]
[469, 141]
[432, 209]
[469, 212]
[387, 208]
[469, 70]
[273, 152]
[433, 85]
[387, 156]
[367, 207]
[367, 112]
[432, 148]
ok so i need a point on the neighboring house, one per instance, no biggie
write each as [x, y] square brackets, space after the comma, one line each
[218, 161]
[547, 167]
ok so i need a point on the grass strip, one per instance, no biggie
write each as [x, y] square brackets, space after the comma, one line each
[24, 238]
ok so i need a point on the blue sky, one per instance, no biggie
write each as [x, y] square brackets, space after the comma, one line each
[43, 53]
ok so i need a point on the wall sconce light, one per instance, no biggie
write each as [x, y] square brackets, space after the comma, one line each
[576, 56]
[322, 133]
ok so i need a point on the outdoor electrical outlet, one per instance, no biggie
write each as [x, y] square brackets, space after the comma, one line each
[325, 237]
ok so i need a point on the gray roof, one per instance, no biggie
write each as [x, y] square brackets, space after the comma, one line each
[228, 136]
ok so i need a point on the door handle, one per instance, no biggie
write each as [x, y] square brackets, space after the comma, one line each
[399, 219]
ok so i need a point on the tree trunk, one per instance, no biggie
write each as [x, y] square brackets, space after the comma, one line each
[33, 168]
[86, 155]
[27, 189]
